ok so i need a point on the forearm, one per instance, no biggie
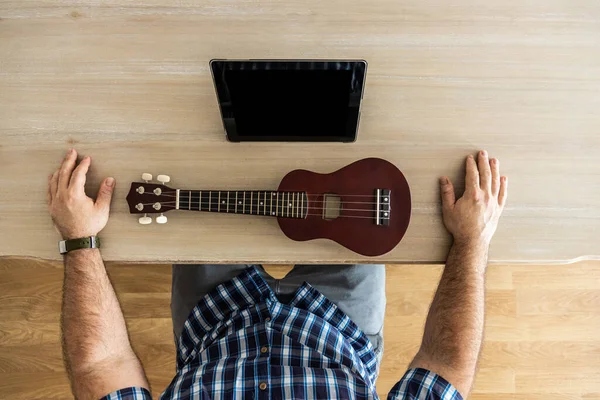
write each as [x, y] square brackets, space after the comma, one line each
[454, 328]
[95, 341]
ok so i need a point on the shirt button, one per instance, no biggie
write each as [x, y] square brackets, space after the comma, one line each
[262, 386]
[264, 349]
[268, 319]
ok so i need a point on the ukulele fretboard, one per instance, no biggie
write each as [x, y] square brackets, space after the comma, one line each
[269, 203]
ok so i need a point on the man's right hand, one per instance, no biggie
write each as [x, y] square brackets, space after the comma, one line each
[473, 218]
[75, 215]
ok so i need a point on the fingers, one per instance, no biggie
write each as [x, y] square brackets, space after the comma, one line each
[105, 194]
[79, 174]
[49, 194]
[447, 191]
[485, 174]
[54, 184]
[495, 167]
[66, 169]
[472, 178]
[503, 191]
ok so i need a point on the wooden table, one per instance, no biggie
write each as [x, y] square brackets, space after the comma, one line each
[128, 83]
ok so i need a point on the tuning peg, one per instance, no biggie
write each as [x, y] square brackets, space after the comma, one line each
[145, 220]
[161, 219]
[163, 179]
[146, 177]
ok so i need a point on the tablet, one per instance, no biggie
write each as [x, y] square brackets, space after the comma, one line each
[290, 100]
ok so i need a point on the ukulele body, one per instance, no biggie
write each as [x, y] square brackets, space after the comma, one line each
[355, 186]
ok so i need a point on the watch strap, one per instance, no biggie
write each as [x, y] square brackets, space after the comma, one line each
[90, 242]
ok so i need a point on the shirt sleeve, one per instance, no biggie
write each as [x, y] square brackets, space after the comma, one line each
[419, 383]
[130, 393]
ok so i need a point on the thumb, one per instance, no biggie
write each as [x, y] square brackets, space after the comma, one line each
[447, 190]
[105, 193]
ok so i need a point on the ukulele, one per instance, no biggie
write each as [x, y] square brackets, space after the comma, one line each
[365, 206]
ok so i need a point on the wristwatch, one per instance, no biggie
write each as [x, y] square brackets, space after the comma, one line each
[90, 242]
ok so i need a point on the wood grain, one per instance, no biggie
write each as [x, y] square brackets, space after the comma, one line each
[128, 83]
[540, 346]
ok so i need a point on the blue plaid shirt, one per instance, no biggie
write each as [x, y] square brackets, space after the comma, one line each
[240, 342]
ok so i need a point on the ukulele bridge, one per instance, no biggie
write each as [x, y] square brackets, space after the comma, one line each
[383, 199]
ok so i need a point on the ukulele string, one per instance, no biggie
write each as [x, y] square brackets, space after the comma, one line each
[305, 215]
[216, 193]
[312, 201]
[285, 208]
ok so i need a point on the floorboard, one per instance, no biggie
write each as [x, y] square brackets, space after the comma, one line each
[541, 332]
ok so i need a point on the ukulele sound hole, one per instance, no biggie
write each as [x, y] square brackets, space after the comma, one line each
[332, 206]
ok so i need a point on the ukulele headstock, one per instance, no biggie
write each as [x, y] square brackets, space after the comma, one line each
[151, 198]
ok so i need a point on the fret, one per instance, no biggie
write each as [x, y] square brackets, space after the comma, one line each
[244, 204]
[283, 204]
[222, 202]
[277, 206]
[271, 197]
[236, 201]
[184, 200]
[215, 204]
[230, 201]
[239, 202]
[251, 193]
[209, 198]
[194, 200]
[265, 204]
[301, 205]
[297, 205]
[203, 201]
[260, 204]
[287, 205]
[293, 203]
[257, 204]
[219, 202]
[189, 200]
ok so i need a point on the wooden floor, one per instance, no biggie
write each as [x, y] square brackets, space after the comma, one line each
[541, 337]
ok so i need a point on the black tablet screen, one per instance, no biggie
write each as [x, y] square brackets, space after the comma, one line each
[285, 101]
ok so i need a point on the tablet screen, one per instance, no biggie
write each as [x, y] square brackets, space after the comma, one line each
[290, 101]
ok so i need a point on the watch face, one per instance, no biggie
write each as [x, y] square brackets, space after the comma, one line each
[62, 247]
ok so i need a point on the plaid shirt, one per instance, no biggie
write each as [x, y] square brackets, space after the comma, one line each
[241, 342]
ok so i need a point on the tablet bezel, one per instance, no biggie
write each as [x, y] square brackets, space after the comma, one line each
[217, 66]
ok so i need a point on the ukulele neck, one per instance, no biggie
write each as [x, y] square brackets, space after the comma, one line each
[261, 202]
